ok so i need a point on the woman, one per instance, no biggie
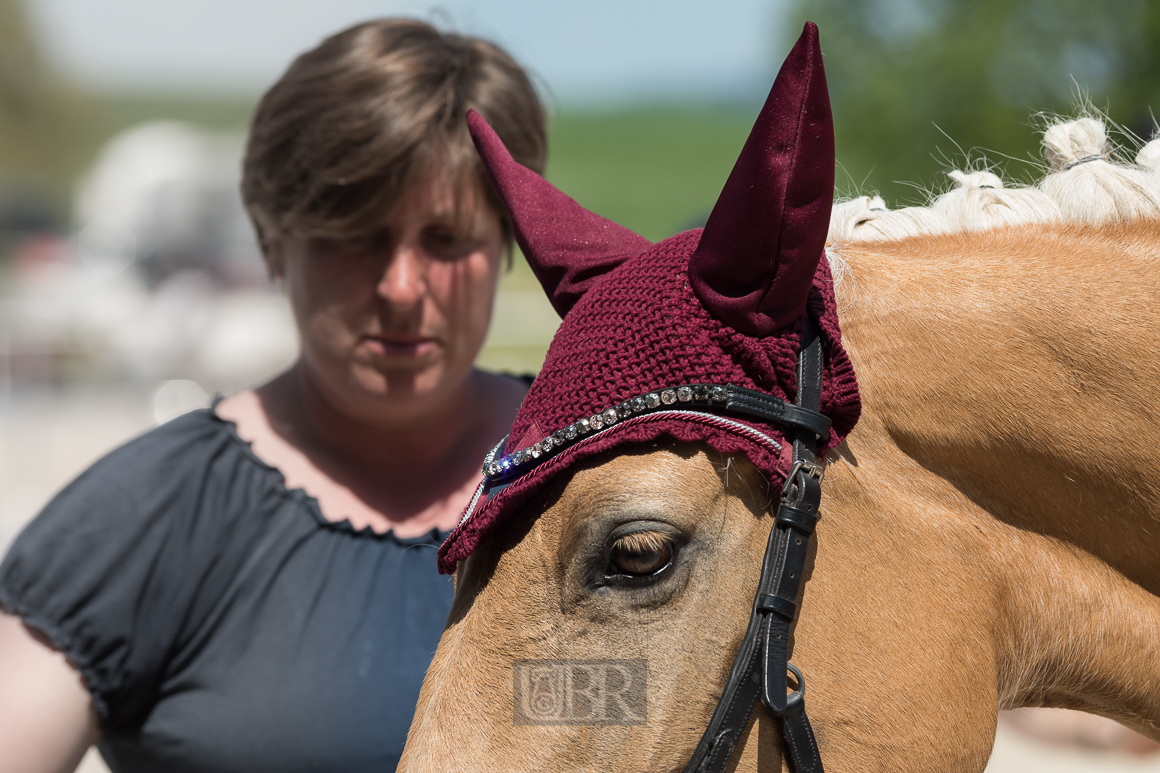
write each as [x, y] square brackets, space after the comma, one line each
[254, 587]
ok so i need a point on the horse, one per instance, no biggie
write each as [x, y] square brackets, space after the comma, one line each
[987, 536]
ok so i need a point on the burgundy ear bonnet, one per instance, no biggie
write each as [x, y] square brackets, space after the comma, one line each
[653, 335]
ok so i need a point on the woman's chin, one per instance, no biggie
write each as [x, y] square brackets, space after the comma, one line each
[399, 387]
[378, 389]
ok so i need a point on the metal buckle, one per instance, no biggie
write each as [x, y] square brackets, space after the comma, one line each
[795, 697]
[812, 469]
[798, 695]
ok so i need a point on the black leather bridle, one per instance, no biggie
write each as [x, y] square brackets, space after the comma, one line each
[762, 663]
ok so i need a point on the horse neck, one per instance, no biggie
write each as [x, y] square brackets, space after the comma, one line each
[1016, 369]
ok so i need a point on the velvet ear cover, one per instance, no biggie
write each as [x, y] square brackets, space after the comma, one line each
[719, 306]
[567, 246]
[767, 232]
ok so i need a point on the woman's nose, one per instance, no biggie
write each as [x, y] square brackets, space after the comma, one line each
[404, 279]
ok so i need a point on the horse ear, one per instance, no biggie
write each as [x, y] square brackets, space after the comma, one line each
[761, 245]
[568, 247]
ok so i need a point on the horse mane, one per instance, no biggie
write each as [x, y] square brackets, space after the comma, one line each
[1088, 184]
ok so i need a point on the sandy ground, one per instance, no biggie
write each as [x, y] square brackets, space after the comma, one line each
[47, 437]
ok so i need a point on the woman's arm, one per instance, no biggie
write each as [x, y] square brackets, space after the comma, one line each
[47, 719]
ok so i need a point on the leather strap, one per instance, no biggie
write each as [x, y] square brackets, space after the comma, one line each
[762, 663]
[769, 408]
[795, 728]
[803, 492]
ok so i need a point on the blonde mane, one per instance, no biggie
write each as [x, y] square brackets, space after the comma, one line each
[1087, 185]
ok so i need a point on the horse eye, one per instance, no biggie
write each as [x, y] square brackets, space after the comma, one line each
[640, 555]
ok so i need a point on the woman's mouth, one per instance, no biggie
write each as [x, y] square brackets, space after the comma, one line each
[400, 346]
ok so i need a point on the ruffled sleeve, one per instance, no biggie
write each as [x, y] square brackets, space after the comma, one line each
[109, 569]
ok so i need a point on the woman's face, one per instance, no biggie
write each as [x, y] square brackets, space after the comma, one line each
[391, 324]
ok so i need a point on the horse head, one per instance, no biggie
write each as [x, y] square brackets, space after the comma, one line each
[659, 489]
[607, 566]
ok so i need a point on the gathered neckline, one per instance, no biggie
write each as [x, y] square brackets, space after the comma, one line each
[433, 537]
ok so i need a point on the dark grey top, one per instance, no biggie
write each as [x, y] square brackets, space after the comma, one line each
[223, 624]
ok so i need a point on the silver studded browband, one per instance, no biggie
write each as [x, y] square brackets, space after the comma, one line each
[704, 397]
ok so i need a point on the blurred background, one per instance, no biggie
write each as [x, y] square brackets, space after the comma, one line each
[131, 289]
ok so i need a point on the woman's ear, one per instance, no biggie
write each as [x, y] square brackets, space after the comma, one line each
[274, 255]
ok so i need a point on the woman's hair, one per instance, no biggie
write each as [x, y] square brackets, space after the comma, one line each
[353, 123]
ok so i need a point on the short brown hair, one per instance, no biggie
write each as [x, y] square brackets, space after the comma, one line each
[354, 122]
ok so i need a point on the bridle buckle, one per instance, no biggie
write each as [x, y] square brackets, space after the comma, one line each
[802, 467]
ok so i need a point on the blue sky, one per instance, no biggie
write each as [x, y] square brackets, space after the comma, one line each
[587, 52]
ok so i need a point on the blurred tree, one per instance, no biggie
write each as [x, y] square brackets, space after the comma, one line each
[42, 122]
[919, 86]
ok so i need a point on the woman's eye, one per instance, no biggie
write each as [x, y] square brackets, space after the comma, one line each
[354, 246]
[640, 555]
[444, 238]
[448, 243]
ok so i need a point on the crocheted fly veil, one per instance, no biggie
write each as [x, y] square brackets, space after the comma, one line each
[661, 340]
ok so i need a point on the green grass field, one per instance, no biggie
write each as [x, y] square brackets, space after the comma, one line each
[657, 171]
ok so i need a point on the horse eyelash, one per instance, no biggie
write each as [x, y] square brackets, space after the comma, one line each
[644, 542]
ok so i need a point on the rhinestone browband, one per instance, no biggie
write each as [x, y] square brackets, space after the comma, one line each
[730, 398]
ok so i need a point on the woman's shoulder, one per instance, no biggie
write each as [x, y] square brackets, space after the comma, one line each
[500, 396]
[166, 471]
[190, 451]
[111, 567]
[187, 441]
[504, 389]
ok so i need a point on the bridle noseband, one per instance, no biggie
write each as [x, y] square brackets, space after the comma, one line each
[762, 662]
